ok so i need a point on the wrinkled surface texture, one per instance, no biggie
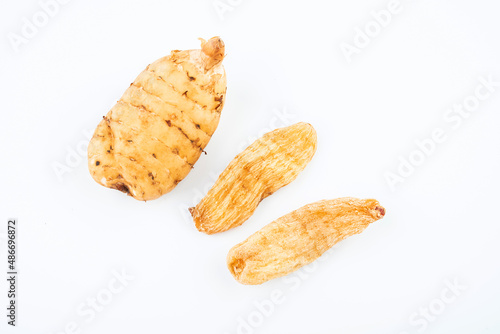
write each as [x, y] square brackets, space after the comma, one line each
[271, 162]
[299, 238]
[152, 137]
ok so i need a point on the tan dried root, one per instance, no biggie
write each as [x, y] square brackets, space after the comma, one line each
[299, 238]
[271, 162]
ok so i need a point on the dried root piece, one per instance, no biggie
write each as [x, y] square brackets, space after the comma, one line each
[271, 162]
[299, 238]
[153, 136]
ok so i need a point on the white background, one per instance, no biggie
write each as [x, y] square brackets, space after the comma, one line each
[282, 57]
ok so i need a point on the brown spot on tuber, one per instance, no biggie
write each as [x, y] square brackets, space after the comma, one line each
[169, 123]
[97, 163]
[121, 187]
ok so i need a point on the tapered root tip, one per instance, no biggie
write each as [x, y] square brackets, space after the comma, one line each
[236, 266]
[213, 51]
[380, 211]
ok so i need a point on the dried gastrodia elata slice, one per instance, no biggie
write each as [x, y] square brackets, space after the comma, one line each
[271, 162]
[299, 238]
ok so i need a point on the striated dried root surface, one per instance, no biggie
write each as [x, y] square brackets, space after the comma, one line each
[271, 162]
[299, 238]
[153, 136]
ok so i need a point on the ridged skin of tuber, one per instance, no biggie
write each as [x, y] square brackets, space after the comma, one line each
[153, 136]
[300, 237]
[271, 162]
